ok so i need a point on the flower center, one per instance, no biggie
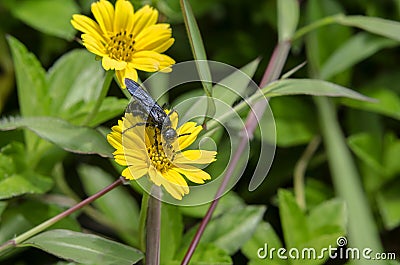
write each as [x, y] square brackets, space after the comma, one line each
[158, 157]
[120, 46]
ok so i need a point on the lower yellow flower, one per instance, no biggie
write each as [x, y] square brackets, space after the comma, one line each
[144, 151]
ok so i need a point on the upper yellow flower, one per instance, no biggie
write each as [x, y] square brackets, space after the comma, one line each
[144, 151]
[126, 40]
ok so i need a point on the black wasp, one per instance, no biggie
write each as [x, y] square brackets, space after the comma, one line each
[145, 107]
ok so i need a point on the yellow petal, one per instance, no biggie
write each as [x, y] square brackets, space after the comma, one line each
[134, 172]
[94, 45]
[87, 25]
[154, 176]
[144, 63]
[143, 18]
[120, 74]
[112, 64]
[195, 157]
[128, 72]
[103, 12]
[114, 140]
[151, 61]
[174, 177]
[175, 191]
[123, 15]
[129, 157]
[174, 119]
[130, 154]
[175, 184]
[131, 73]
[156, 37]
[162, 47]
[193, 174]
[130, 140]
[192, 130]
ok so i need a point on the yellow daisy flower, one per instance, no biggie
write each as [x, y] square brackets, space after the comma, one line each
[126, 40]
[144, 151]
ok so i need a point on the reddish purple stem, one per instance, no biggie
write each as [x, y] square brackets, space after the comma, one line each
[272, 73]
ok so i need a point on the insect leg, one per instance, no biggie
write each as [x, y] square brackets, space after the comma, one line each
[184, 134]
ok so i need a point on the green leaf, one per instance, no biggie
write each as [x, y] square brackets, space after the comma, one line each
[366, 147]
[110, 108]
[196, 43]
[288, 17]
[321, 228]
[356, 49]
[199, 55]
[48, 16]
[324, 217]
[319, 43]
[3, 206]
[226, 203]
[117, 205]
[266, 238]
[236, 85]
[85, 77]
[19, 218]
[230, 231]
[211, 255]
[388, 201]
[317, 192]
[69, 137]
[84, 248]
[16, 178]
[383, 27]
[391, 154]
[294, 222]
[171, 232]
[388, 102]
[207, 254]
[294, 125]
[25, 183]
[313, 87]
[32, 87]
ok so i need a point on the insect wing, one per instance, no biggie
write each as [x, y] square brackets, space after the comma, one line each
[140, 95]
[144, 105]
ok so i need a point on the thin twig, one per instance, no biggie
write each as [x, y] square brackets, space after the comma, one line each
[103, 93]
[37, 229]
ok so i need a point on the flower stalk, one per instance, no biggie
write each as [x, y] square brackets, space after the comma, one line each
[102, 96]
[153, 227]
[300, 169]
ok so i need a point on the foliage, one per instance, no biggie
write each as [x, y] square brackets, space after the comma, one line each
[57, 112]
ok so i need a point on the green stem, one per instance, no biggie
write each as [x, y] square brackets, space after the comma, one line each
[317, 24]
[362, 230]
[300, 169]
[103, 93]
[153, 227]
[37, 229]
